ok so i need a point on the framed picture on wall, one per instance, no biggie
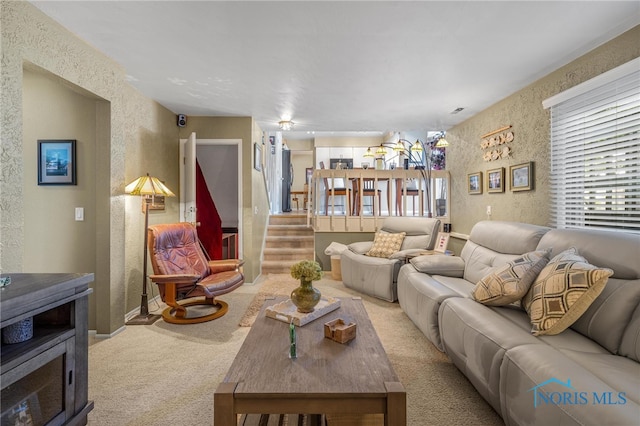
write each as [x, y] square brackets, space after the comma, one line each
[495, 180]
[57, 162]
[474, 183]
[257, 157]
[521, 176]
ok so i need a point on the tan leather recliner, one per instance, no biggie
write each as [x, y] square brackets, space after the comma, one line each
[182, 271]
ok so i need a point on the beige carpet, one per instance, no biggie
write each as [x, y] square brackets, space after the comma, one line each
[165, 374]
[275, 285]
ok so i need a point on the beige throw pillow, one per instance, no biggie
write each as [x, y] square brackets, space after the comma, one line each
[510, 283]
[385, 244]
[563, 291]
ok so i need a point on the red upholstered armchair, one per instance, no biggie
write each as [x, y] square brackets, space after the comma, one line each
[182, 271]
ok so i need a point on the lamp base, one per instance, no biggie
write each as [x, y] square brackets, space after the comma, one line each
[143, 319]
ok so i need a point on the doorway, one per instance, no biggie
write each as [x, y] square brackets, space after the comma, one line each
[221, 163]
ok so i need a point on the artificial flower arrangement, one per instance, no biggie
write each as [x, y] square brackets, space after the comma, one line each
[307, 270]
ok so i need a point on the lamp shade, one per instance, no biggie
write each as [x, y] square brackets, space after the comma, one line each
[442, 142]
[368, 153]
[148, 185]
[381, 150]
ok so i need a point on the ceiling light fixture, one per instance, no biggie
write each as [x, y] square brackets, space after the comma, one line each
[285, 125]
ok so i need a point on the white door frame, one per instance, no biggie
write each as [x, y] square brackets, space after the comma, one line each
[219, 142]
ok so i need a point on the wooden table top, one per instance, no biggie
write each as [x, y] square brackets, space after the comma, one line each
[323, 367]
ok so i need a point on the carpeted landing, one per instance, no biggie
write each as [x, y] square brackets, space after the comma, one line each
[166, 374]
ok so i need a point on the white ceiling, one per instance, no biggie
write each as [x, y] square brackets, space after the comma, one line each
[341, 66]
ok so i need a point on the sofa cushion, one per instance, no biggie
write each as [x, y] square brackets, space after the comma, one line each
[563, 291]
[385, 244]
[591, 382]
[507, 237]
[420, 232]
[509, 283]
[608, 320]
[480, 261]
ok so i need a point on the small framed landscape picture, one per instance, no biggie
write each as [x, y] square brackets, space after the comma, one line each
[474, 183]
[57, 162]
[495, 180]
[521, 176]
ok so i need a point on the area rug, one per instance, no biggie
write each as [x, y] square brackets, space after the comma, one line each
[282, 285]
[274, 285]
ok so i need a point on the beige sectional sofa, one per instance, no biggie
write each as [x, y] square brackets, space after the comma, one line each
[588, 374]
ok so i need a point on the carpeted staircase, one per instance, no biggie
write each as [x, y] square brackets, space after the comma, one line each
[289, 240]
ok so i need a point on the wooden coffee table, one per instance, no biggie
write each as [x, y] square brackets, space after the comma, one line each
[326, 378]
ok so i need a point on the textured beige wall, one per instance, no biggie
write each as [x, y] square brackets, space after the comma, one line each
[126, 123]
[522, 110]
[53, 111]
[255, 208]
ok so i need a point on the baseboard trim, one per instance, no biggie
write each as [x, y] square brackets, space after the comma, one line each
[106, 336]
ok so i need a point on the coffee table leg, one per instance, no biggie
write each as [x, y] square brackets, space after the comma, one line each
[396, 404]
[223, 411]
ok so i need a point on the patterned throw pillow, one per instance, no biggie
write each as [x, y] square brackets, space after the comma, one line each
[563, 291]
[511, 282]
[385, 244]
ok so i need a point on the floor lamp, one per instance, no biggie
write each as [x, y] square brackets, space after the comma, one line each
[147, 187]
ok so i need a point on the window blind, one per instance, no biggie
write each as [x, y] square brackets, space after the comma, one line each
[595, 157]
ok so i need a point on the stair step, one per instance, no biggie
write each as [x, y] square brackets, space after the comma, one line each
[288, 254]
[288, 241]
[302, 230]
[288, 220]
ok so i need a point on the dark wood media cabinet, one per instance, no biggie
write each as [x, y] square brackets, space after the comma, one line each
[44, 379]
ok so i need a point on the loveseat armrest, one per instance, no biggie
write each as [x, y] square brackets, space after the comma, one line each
[361, 247]
[449, 266]
[175, 278]
[402, 254]
[224, 265]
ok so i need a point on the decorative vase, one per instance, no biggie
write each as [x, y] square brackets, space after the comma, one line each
[305, 297]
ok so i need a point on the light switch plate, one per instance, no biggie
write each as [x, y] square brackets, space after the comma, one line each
[79, 214]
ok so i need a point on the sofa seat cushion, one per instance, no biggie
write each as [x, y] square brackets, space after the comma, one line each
[568, 339]
[420, 296]
[563, 291]
[375, 276]
[574, 393]
[476, 338]
[510, 282]
[618, 372]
